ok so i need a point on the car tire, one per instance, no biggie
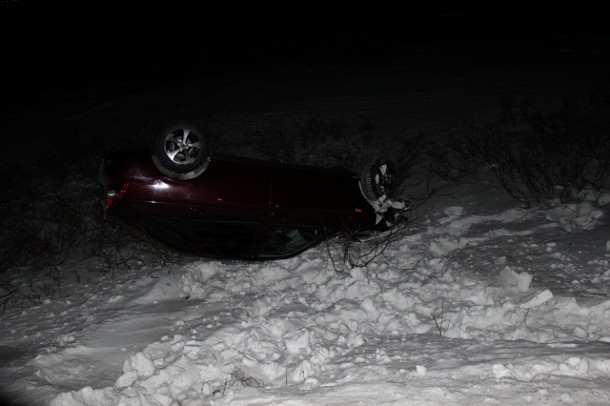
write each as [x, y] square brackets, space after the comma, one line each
[180, 151]
[377, 180]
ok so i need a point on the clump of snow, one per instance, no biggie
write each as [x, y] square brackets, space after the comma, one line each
[536, 298]
[604, 198]
[520, 280]
[576, 216]
[589, 194]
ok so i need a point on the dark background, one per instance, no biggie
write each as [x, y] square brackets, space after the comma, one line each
[89, 40]
[113, 48]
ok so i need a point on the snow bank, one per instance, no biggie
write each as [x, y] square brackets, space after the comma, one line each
[298, 323]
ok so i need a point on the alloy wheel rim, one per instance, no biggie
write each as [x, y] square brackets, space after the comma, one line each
[182, 146]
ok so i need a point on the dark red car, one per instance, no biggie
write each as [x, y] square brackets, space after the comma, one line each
[233, 207]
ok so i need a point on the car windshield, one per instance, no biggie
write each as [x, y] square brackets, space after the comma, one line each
[286, 240]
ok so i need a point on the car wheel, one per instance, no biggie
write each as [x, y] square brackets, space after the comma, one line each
[377, 180]
[180, 151]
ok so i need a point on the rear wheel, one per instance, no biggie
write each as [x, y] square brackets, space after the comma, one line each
[377, 180]
[180, 151]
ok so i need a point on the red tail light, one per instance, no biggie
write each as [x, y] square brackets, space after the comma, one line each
[115, 194]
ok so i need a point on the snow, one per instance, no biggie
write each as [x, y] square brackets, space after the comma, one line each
[456, 310]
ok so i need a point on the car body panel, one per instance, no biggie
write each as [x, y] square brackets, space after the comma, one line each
[237, 208]
[319, 198]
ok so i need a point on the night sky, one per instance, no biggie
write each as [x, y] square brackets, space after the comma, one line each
[58, 44]
[108, 37]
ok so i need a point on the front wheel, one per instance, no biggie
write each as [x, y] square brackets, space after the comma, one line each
[180, 151]
[377, 180]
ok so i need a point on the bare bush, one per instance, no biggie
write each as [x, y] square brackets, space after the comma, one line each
[311, 136]
[45, 286]
[464, 154]
[536, 155]
[18, 238]
[410, 151]
[441, 326]
[357, 249]
[274, 143]
[326, 142]
[114, 248]
[39, 233]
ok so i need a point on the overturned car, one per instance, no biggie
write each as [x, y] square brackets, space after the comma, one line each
[235, 207]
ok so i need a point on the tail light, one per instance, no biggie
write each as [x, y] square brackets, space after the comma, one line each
[114, 194]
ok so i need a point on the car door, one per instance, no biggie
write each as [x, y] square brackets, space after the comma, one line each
[226, 206]
[232, 190]
[308, 196]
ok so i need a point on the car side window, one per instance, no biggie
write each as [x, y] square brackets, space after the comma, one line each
[224, 238]
[285, 240]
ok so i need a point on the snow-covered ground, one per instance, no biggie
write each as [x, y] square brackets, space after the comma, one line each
[475, 300]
